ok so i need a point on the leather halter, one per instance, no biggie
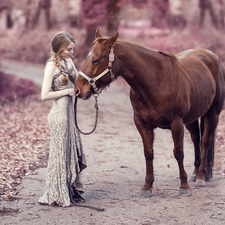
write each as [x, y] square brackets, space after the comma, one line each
[109, 69]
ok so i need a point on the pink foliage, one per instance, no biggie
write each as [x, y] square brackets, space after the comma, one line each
[95, 12]
[15, 88]
[136, 3]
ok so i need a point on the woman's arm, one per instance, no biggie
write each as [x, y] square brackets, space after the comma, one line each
[46, 93]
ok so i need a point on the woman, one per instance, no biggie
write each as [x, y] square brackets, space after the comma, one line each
[66, 158]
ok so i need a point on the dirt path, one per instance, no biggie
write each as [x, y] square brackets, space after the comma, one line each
[116, 173]
[23, 69]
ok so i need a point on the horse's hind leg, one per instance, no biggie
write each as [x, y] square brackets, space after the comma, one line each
[177, 129]
[147, 138]
[211, 119]
[193, 128]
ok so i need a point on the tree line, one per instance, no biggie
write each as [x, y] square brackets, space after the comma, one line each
[95, 13]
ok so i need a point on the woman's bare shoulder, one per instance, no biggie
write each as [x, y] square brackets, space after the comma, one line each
[50, 62]
[49, 68]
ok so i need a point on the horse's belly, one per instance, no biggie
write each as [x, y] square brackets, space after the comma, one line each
[161, 122]
[151, 118]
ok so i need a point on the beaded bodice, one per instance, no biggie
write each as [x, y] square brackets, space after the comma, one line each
[58, 81]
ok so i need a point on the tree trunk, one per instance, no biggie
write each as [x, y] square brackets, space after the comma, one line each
[27, 14]
[9, 21]
[48, 18]
[221, 14]
[160, 8]
[213, 15]
[203, 6]
[90, 36]
[112, 22]
[93, 16]
[46, 5]
[36, 16]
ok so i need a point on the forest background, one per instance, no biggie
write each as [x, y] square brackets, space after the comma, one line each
[26, 29]
[27, 26]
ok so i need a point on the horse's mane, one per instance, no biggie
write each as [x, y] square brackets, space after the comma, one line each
[164, 53]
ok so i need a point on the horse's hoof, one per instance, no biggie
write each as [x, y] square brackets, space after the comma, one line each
[145, 194]
[193, 177]
[200, 183]
[185, 192]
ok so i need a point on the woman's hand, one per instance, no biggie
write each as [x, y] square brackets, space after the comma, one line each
[71, 92]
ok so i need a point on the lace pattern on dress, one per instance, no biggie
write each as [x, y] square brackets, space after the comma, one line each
[66, 157]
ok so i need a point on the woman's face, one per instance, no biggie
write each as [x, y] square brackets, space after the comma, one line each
[68, 51]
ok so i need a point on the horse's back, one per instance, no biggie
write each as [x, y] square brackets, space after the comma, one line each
[206, 74]
[214, 65]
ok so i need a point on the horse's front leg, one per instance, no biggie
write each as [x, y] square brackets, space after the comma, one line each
[177, 129]
[147, 139]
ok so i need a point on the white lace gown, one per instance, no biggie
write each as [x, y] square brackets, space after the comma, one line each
[66, 158]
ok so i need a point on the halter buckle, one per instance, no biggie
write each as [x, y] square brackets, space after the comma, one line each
[111, 57]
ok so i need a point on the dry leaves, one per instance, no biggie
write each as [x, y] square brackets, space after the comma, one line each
[24, 141]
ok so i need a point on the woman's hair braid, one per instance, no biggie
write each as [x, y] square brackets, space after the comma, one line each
[57, 64]
[60, 42]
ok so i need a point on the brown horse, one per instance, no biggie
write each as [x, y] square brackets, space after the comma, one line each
[167, 91]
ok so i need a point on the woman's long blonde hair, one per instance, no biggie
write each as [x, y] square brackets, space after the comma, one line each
[59, 42]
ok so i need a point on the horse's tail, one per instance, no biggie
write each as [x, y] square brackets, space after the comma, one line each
[210, 155]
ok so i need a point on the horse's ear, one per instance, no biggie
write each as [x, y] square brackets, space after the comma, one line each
[97, 33]
[112, 40]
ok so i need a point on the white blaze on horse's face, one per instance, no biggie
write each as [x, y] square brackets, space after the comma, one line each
[86, 67]
[90, 56]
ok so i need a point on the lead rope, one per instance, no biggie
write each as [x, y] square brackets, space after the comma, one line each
[96, 116]
[83, 205]
[75, 116]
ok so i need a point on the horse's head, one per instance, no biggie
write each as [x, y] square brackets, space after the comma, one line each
[96, 72]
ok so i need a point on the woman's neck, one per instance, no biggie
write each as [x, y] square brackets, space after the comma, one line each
[60, 59]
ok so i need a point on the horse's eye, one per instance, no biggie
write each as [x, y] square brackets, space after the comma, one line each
[95, 62]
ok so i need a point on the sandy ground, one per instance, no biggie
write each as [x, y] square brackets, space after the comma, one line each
[116, 173]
